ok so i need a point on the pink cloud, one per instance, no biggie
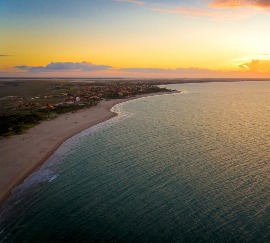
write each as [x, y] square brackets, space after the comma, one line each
[216, 14]
[64, 66]
[217, 9]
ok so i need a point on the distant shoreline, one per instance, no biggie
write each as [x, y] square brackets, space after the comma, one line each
[161, 81]
[24, 154]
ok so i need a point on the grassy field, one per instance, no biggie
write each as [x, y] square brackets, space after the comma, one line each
[26, 88]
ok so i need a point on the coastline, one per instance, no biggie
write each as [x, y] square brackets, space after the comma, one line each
[25, 153]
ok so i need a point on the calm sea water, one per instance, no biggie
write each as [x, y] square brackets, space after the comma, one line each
[189, 167]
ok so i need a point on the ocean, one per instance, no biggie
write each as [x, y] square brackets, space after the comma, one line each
[185, 167]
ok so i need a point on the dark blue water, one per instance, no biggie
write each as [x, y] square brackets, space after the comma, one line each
[189, 167]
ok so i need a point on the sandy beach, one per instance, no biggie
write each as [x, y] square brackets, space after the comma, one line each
[23, 154]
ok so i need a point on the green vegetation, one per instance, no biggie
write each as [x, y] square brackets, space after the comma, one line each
[17, 123]
[25, 103]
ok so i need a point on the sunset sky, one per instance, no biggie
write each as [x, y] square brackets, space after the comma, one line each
[135, 38]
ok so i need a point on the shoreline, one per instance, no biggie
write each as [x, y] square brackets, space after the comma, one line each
[44, 139]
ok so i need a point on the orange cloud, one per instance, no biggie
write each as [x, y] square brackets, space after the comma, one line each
[260, 66]
[240, 3]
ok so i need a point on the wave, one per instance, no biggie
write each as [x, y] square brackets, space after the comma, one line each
[53, 178]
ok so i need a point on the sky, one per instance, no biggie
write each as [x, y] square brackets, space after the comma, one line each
[135, 38]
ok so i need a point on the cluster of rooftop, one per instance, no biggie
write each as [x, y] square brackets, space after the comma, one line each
[40, 101]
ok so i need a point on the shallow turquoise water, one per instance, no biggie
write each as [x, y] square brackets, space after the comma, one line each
[190, 167]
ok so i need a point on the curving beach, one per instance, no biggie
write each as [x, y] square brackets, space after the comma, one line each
[23, 154]
[181, 168]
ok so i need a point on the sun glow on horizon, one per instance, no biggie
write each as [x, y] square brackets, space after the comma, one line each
[128, 36]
